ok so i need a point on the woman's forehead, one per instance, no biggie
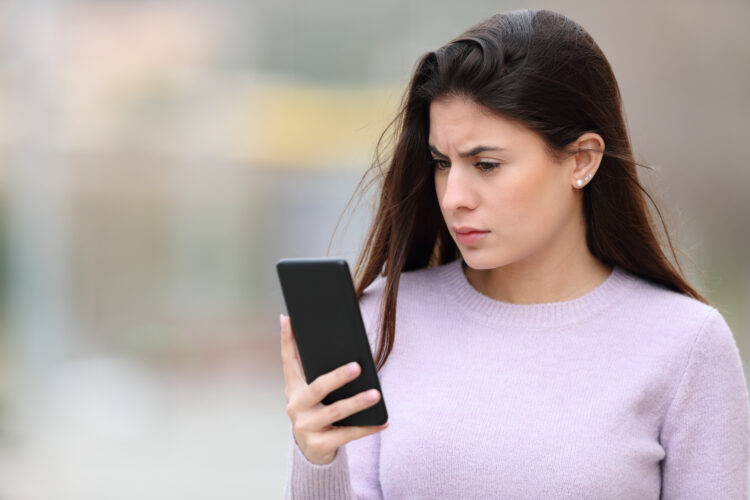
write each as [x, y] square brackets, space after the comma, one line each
[462, 124]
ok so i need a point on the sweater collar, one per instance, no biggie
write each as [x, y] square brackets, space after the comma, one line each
[461, 291]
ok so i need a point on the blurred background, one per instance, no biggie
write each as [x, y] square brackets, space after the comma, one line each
[158, 157]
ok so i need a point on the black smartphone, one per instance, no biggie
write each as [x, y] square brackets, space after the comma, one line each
[327, 324]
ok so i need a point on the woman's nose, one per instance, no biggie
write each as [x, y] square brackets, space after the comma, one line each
[459, 190]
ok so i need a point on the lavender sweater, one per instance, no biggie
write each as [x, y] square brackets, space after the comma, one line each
[630, 391]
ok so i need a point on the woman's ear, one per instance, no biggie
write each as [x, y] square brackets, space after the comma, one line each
[589, 149]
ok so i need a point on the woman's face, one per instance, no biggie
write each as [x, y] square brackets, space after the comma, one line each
[494, 175]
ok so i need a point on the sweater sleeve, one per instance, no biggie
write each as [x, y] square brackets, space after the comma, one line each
[309, 481]
[354, 472]
[706, 431]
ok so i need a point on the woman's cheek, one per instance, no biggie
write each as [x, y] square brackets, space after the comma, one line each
[512, 208]
[523, 216]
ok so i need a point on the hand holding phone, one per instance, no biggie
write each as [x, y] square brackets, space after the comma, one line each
[311, 420]
[328, 336]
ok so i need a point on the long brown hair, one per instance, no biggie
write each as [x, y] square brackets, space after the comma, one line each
[545, 71]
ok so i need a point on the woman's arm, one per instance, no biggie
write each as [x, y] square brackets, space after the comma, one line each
[353, 473]
[706, 432]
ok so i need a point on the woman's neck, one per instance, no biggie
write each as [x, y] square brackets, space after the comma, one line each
[540, 282]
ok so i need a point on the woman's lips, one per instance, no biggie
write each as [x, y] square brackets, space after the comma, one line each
[470, 237]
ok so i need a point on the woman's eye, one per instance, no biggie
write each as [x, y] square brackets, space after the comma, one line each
[441, 164]
[487, 166]
[484, 166]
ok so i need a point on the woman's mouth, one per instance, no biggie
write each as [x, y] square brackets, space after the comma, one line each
[468, 236]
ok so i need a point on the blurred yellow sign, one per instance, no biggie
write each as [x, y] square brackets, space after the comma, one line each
[289, 125]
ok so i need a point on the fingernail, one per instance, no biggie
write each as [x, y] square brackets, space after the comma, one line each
[351, 368]
[281, 321]
[371, 395]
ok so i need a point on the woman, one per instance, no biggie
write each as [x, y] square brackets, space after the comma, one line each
[542, 344]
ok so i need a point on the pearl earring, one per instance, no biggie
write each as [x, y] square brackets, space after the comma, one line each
[580, 182]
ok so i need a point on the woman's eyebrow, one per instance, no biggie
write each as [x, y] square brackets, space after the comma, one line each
[472, 152]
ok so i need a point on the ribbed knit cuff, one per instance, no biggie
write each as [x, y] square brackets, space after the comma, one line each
[311, 481]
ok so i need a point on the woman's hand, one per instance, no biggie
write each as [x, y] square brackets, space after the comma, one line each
[312, 420]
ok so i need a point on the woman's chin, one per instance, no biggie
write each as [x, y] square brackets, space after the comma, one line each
[476, 260]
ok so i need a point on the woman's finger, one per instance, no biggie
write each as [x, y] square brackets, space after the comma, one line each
[296, 349]
[294, 377]
[327, 383]
[328, 414]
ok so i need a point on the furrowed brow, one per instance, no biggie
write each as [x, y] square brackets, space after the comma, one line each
[435, 151]
[472, 152]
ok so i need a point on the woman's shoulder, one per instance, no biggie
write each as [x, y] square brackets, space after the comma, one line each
[413, 286]
[659, 297]
[673, 312]
[413, 281]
